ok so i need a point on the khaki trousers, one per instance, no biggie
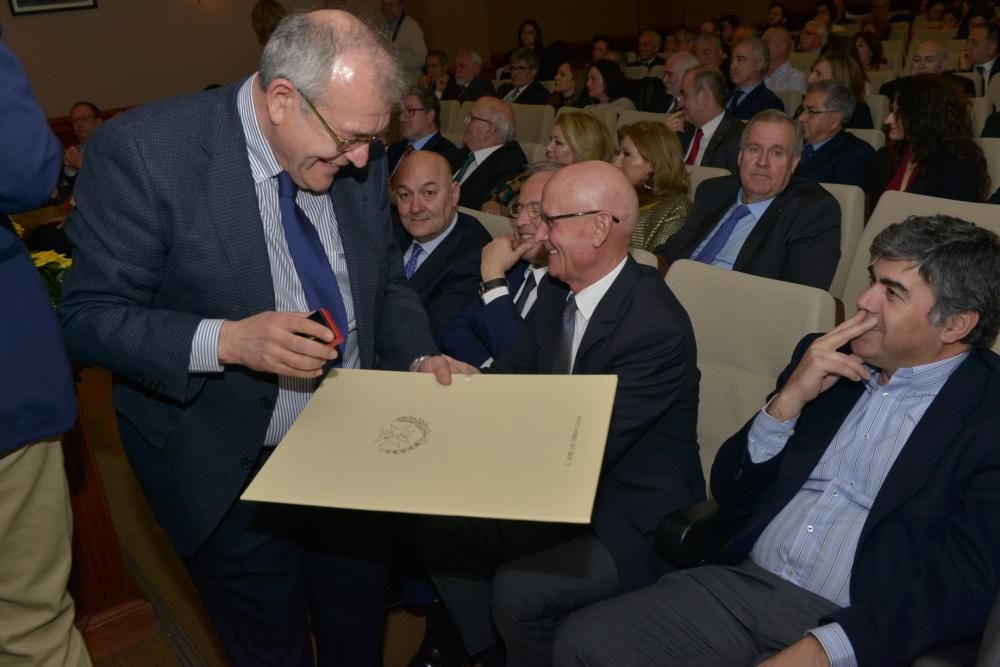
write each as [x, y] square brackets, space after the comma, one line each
[36, 529]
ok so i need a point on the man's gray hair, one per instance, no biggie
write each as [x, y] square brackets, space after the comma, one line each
[658, 38]
[528, 56]
[503, 124]
[959, 260]
[476, 59]
[838, 98]
[758, 51]
[428, 100]
[302, 49]
[775, 116]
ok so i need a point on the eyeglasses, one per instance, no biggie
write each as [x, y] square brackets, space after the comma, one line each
[532, 209]
[343, 145]
[811, 111]
[409, 112]
[550, 220]
[470, 117]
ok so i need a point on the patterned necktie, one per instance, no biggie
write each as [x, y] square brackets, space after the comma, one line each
[469, 161]
[562, 355]
[526, 289]
[695, 146]
[808, 151]
[722, 234]
[411, 264]
[319, 282]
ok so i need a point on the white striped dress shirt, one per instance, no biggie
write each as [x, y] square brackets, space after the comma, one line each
[293, 393]
[811, 542]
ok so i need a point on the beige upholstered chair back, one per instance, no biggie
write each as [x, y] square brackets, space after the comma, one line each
[533, 122]
[895, 207]
[852, 222]
[699, 174]
[607, 116]
[644, 257]
[534, 152]
[496, 225]
[802, 61]
[878, 79]
[875, 138]
[629, 117]
[981, 110]
[879, 105]
[791, 99]
[746, 329]
[991, 149]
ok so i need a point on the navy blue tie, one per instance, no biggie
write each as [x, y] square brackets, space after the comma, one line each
[311, 263]
[807, 151]
[718, 240]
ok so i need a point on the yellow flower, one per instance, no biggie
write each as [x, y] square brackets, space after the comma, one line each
[46, 257]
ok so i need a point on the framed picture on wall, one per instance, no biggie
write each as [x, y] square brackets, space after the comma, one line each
[21, 7]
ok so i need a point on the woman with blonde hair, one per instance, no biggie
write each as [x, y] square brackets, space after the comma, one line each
[576, 137]
[651, 158]
[845, 70]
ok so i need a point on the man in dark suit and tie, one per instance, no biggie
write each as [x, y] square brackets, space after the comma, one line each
[749, 66]
[980, 53]
[523, 89]
[711, 135]
[647, 50]
[868, 483]
[440, 246]
[511, 269]
[419, 122]
[617, 318]
[470, 84]
[764, 221]
[831, 154]
[491, 156]
[930, 57]
[206, 229]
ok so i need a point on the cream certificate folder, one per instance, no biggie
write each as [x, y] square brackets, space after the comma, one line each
[498, 446]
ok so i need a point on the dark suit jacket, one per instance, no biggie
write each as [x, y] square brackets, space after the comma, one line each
[655, 61]
[640, 333]
[967, 87]
[926, 568]
[843, 159]
[504, 164]
[945, 177]
[535, 93]
[992, 126]
[797, 239]
[437, 143]
[862, 118]
[167, 232]
[757, 100]
[448, 278]
[484, 331]
[724, 148]
[478, 87]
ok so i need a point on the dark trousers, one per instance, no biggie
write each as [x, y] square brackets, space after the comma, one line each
[709, 616]
[523, 578]
[271, 573]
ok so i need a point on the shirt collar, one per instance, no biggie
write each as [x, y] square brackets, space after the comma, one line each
[711, 126]
[263, 164]
[758, 208]
[746, 91]
[420, 143]
[933, 373]
[484, 153]
[591, 295]
[429, 246]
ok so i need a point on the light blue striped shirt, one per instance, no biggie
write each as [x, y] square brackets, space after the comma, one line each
[812, 540]
[293, 393]
[726, 258]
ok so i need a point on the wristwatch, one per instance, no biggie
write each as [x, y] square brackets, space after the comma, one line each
[491, 284]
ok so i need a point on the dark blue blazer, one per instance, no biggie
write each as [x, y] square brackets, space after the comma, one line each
[724, 148]
[37, 399]
[927, 565]
[504, 164]
[167, 231]
[478, 87]
[534, 93]
[642, 334]
[436, 143]
[843, 159]
[447, 280]
[757, 100]
[481, 332]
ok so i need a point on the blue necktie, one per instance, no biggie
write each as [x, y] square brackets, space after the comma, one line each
[722, 234]
[411, 264]
[311, 263]
[808, 151]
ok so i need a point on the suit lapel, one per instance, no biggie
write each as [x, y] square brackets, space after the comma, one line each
[435, 264]
[761, 230]
[606, 317]
[230, 198]
[720, 133]
[722, 202]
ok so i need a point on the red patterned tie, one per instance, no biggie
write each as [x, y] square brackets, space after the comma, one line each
[695, 146]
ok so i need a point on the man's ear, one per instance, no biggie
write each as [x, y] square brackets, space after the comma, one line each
[278, 99]
[958, 326]
[603, 225]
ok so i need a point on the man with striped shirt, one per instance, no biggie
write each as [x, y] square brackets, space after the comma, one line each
[207, 228]
[870, 483]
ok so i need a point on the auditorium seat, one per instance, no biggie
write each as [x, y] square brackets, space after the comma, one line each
[450, 118]
[738, 372]
[878, 79]
[699, 174]
[629, 117]
[533, 122]
[879, 105]
[852, 222]
[496, 225]
[534, 152]
[607, 116]
[981, 109]
[644, 257]
[802, 61]
[791, 99]
[991, 149]
[875, 138]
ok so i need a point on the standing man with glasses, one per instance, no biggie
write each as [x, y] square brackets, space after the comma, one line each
[618, 318]
[830, 153]
[419, 123]
[491, 157]
[206, 229]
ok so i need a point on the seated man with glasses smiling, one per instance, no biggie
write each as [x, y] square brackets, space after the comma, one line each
[419, 123]
[831, 154]
[617, 318]
[491, 156]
